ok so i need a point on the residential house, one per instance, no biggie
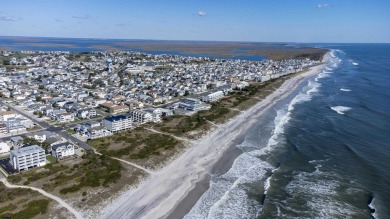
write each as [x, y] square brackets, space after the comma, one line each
[65, 117]
[97, 132]
[4, 148]
[62, 150]
[16, 141]
[3, 128]
[86, 113]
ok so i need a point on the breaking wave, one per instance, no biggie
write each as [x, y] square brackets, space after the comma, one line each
[340, 109]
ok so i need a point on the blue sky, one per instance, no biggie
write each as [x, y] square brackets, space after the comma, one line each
[216, 20]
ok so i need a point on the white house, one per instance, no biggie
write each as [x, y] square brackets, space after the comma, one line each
[62, 150]
[4, 148]
[97, 132]
[65, 117]
[86, 113]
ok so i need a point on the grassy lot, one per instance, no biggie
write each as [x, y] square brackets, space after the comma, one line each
[21, 203]
[85, 181]
[90, 171]
[138, 145]
[70, 131]
[51, 159]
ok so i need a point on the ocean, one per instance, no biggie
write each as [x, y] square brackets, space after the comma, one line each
[322, 152]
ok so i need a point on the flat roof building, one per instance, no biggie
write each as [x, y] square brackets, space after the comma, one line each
[27, 157]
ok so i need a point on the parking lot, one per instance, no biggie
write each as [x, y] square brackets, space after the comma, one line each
[6, 165]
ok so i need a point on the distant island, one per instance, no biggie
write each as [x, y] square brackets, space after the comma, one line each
[97, 123]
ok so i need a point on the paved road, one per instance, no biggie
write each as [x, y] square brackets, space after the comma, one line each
[48, 127]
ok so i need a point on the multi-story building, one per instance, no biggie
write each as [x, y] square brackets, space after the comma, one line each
[5, 115]
[97, 132]
[213, 96]
[86, 113]
[118, 123]
[65, 117]
[141, 117]
[27, 157]
[15, 125]
[62, 150]
[191, 104]
[3, 128]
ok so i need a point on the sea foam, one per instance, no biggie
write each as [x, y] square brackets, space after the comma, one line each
[340, 109]
[317, 195]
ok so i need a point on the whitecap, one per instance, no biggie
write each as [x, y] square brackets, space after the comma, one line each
[341, 109]
[372, 208]
[345, 89]
[355, 63]
[320, 192]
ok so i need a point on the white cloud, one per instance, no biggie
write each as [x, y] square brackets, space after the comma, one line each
[8, 18]
[325, 5]
[202, 13]
[84, 17]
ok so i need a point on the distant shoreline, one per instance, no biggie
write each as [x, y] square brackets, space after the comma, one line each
[254, 51]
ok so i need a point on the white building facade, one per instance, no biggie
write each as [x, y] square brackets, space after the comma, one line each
[63, 150]
[213, 96]
[118, 123]
[141, 117]
[4, 148]
[27, 157]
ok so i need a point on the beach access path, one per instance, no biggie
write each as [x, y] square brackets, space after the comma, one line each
[159, 194]
[53, 197]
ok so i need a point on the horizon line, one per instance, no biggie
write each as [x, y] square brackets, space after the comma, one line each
[216, 41]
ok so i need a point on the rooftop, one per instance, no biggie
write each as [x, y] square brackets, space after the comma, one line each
[27, 150]
[116, 118]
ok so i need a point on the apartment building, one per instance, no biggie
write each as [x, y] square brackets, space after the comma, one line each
[27, 157]
[211, 97]
[118, 123]
[141, 117]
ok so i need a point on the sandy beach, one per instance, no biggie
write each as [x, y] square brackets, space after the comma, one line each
[185, 179]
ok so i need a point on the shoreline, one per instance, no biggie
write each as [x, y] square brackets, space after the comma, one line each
[182, 182]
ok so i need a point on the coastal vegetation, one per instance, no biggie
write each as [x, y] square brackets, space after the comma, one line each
[92, 170]
[139, 145]
[21, 203]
